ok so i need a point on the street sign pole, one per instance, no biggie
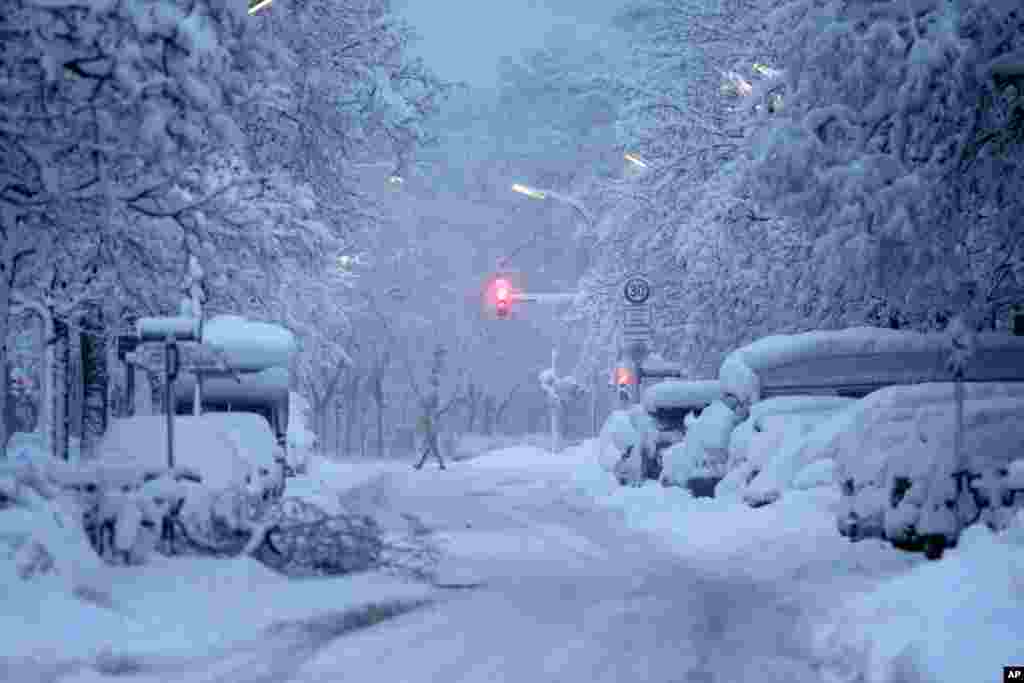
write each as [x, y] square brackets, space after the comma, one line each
[170, 374]
[636, 326]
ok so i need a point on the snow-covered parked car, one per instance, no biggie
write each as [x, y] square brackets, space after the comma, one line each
[227, 450]
[766, 455]
[894, 460]
[620, 436]
[698, 462]
[675, 405]
[634, 442]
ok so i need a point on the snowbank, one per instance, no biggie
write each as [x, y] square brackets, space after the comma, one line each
[185, 607]
[901, 632]
[680, 394]
[249, 346]
[42, 535]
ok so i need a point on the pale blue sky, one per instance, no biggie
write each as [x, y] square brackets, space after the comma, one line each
[464, 39]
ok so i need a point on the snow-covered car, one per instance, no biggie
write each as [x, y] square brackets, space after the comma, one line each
[895, 463]
[633, 441]
[765, 455]
[698, 462]
[227, 450]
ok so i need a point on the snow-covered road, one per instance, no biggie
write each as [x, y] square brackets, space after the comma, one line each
[538, 582]
[566, 593]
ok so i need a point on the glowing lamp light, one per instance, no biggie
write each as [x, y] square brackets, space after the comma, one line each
[502, 297]
[528, 191]
[623, 376]
[635, 160]
[256, 5]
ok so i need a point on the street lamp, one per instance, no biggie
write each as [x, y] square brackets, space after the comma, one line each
[256, 5]
[535, 193]
[528, 191]
[635, 159]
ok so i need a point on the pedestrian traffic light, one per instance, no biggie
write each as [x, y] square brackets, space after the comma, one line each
[502, 297]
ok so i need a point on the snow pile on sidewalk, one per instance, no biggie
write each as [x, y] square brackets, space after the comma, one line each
[192, 608]
[42, 534]
[902, 632]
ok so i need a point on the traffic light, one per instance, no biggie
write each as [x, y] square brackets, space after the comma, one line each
[502, 297]
[623, 376]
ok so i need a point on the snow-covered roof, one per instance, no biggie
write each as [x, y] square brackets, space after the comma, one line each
[200, 444]
[682, 394]
[861, 355]
[250, 389]
[249, 345]
[784, 405]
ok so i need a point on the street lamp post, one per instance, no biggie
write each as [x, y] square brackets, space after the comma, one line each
[256, 5]
[536, 193]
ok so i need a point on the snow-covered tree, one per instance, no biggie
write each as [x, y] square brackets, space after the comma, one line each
[559, 390]
[105, 105]
[899, 153]
[683, 217]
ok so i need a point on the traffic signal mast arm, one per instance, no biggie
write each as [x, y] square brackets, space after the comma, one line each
[546, 298]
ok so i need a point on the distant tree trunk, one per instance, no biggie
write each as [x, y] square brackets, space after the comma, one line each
[473, 394]
[61, 420]
[352, 405]
[499, 413]
[378, 397]
[95, 379]
[490, 408]
[16, 245]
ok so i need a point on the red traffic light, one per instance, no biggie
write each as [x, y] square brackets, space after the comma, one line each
[624, 376]
[502, 291]
[502, 297]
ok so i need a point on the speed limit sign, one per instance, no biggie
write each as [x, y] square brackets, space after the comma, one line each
[637, 290]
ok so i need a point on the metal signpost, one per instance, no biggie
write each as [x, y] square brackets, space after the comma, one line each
[170, 331]
[636, 325]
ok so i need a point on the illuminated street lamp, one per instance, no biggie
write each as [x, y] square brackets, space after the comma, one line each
[535, 193]
[256, 5]
[529, 191]
[635, 160]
